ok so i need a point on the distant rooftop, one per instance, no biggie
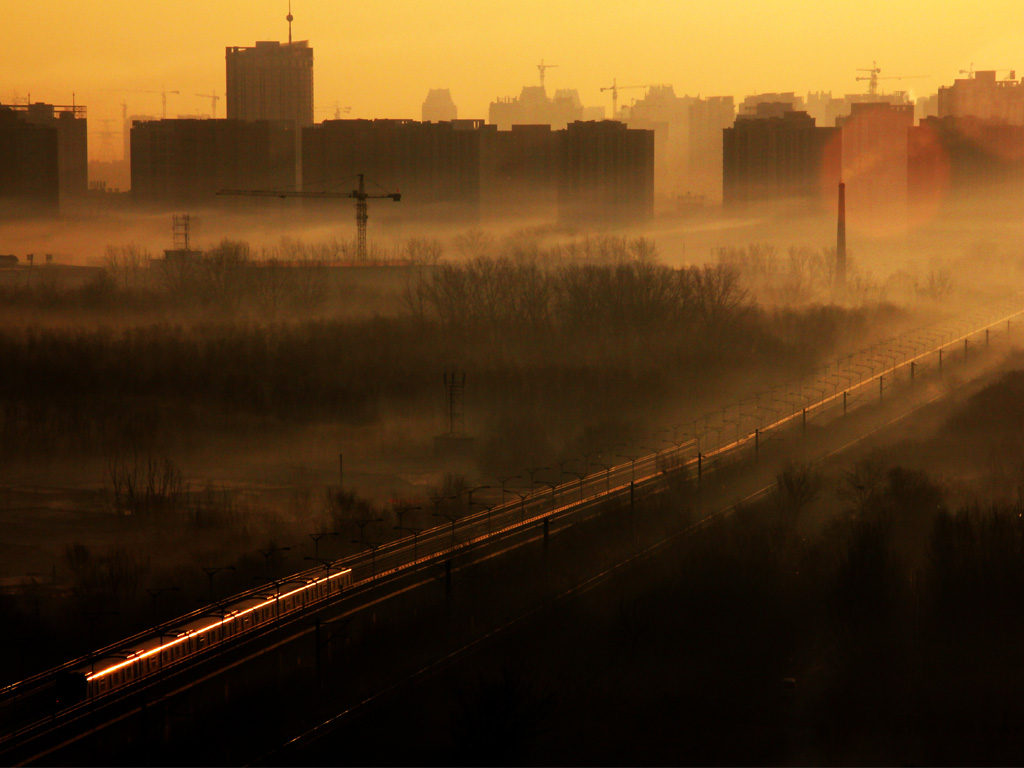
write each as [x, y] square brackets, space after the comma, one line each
[39, 109]
[272, 47]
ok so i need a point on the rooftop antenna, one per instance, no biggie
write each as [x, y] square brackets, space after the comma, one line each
[289, 18]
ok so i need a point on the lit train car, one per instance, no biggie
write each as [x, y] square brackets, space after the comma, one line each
[179, 643]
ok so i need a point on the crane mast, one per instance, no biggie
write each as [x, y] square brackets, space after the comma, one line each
[362, 218]
[873, 77]
[615, 88]
[542, 68]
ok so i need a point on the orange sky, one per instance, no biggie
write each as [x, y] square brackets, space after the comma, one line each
[380, 58]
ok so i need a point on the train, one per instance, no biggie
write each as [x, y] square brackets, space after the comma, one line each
[180, 643]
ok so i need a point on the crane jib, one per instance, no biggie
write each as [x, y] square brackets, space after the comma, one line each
[359, 195]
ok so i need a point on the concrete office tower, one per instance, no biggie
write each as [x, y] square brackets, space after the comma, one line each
[439, 107]
[271, 81]
[778, 155]
[29, 176]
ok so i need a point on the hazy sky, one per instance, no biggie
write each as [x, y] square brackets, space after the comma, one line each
[380, 58]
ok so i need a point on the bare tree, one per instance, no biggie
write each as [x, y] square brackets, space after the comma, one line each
[127, 265]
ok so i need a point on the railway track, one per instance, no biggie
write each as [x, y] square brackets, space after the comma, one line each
[36, 714]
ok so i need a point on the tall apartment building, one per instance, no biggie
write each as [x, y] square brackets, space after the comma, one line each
[29, 166]
[72, 143]
[751, 105]
[533, 106]
[435, 166]
[606, 173]
[465, 169]
[185, 162]
[779, 155]
[985, 97]
[827, 110]
[964, 163]
[875, 163]
[271, 81]
[687, 140]
[521, 169]
[439, 106]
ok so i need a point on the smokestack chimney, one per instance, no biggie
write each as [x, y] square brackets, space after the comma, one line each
[841, 240]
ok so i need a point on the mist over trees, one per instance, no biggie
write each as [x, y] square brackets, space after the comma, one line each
[553, 337]
[842, 590]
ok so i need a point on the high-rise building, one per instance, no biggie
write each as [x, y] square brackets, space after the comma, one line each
[533, 106]
[271, 81]
[751, 105]
[436, 166]
[827, 110]
[72, 143]
[875, 164]
[185, 162]
[467, 170]
[957, 163]
[984, 97]
[521, 172]
[926, 106]
[29, 166]
[687, 140]
[606, 173]
[779, 155]
[439, 106]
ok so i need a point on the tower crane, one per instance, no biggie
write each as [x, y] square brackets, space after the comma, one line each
[873, 77]
[106, 136]
[615, 88]
[542, 68]
[336, 107]
[360, 195]
[970, 72]
[163, 95]
[214, 98]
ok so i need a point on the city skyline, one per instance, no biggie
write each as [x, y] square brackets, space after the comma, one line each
[378, 61]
